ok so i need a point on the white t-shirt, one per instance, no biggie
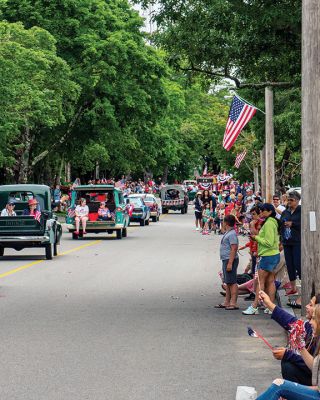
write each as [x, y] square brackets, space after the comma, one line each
[82, 210]
[281, 208]
[4, 213]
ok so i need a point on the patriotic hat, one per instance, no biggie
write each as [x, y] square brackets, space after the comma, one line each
[32, 202]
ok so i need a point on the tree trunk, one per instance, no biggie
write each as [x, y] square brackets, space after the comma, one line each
[165, 174]
[24, 164]
[310, 227]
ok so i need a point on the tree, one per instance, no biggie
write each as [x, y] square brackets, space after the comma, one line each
[35, 91]
[254, 43]
[119, 74]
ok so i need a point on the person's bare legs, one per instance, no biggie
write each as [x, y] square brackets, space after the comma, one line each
[77, 220]
[228, 297]
[233, 294]
[84, 223]
[270, 287]
[293, 286]
[263, 275]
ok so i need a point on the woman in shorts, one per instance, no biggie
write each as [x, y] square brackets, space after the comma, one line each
[269, 256]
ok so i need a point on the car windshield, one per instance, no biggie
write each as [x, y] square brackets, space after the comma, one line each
[136, 201]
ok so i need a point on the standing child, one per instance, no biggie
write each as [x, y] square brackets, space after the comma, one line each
[205, 219]
[230, 261]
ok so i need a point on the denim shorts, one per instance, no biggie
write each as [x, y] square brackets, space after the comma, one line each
[269, 263]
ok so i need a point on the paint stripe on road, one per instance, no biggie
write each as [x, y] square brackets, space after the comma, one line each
[23, 267]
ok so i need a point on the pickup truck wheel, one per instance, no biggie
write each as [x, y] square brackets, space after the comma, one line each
[183, 210]
[154, 219]
[186, 210]
[124, 232]
[1, 251]
[119, 234]
[55, 249]
[142, 222]
[147, 222]
[49, 251]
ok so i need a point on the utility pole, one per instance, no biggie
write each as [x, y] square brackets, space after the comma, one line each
[310, 149]
[269, 157]
[256, 178]
[263, 171]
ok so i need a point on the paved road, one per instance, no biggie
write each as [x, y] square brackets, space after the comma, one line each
[127, 320]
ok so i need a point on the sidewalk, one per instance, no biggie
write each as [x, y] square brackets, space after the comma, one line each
[248, 360]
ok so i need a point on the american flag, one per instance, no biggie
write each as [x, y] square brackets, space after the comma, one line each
[71, 213]
[240, 157]
[239, 115]
[37, 215]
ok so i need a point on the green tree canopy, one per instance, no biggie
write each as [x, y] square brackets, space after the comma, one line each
[35, 90]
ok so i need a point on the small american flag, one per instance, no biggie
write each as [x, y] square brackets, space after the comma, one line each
[37, 215]
[239, 115]
[71, 213]
[240, 157]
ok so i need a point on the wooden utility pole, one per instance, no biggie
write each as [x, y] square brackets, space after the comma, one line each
[270, 179]
[263, 171]
[256, 179]
[310, 242]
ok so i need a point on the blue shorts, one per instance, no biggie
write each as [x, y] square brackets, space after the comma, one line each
[269, 263]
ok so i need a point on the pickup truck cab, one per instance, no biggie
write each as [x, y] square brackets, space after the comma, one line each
[21, 231]
[94, 194]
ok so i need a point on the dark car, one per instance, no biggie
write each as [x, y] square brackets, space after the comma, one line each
[23, 230]
[140, 212]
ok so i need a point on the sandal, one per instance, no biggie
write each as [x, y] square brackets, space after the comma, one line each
[232, 308]
[219, 306]
[294, 304]
[223, 294]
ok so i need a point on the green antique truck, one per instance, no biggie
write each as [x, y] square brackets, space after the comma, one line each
[94, 194]
[21, 231]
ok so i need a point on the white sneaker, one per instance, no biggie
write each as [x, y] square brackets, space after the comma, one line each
[267, 311]
[197, 229]
[251, 311]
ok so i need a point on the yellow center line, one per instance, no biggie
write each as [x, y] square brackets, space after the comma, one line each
[79, 248]
[23, 267]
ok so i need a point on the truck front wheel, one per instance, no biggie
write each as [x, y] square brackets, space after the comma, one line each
[119, 234]
[49, 251]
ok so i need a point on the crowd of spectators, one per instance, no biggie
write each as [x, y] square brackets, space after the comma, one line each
[274, 243]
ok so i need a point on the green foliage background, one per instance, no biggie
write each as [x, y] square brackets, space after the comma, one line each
[82, 84]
